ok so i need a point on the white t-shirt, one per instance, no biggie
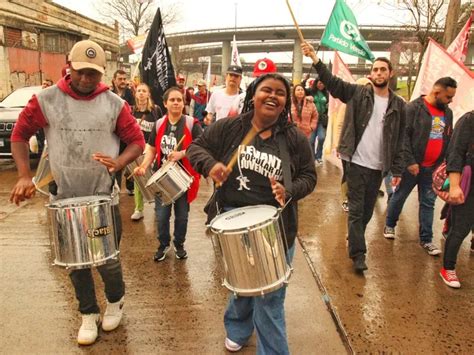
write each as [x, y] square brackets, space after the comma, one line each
[369, 152]
[224, 105]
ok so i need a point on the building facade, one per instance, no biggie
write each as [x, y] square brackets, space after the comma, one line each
[36, 36]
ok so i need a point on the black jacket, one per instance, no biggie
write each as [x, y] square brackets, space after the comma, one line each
[417, 133]
[461, 147]
[360, 104]
[221, 139]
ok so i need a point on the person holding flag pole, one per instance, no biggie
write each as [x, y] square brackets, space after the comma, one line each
[371, 142]
[374, 123]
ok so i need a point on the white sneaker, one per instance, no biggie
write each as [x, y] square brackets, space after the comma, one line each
[389, 232]
[231, 345]
[113, 315]
[431, 249]
[137, 215]
[88, 331]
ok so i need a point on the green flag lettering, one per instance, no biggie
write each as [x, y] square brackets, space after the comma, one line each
[342, 33]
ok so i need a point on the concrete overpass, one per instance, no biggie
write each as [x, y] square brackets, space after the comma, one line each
[189, 47]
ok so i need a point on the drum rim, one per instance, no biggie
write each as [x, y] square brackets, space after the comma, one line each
[251, 227]
[259, 291]
[159, 173]
[98, 200]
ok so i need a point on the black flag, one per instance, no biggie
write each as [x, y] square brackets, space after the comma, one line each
[156, 68]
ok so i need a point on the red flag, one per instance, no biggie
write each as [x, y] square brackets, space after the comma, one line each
[458, 48]
[438, 63]
[339, 69]
[136, 43]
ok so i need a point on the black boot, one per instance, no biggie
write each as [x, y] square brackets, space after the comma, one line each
[359, 263]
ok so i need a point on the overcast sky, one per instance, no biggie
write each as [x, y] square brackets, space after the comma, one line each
[211, 14]
[207, 14]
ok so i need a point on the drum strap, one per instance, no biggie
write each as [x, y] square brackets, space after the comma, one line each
[287, 181]
[285, 158]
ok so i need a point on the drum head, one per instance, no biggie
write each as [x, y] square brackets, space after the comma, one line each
[243, 218]
[161, 171]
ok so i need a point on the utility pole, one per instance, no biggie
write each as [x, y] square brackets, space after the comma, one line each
[451, 22]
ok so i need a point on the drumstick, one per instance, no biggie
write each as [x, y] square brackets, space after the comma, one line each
[300, 34]
[179, 143]
[44, 181]
[249, 136]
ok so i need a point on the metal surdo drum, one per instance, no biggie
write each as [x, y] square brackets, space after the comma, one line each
[249, 242]
[83, 231]
[169, 182]
[148, 196]
[43, 174]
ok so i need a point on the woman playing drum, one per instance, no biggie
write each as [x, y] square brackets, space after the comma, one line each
[279, 149]
[161, 147]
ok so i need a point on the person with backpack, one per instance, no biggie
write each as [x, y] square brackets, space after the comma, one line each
[428, 130]
[146, 113]
[461, 198]
[162, 146]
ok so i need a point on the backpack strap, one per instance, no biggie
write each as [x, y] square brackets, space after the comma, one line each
[189, 122]
[159, 123]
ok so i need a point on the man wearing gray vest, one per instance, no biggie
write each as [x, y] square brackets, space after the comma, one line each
[83, 122]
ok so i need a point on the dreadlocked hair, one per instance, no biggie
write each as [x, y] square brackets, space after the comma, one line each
[252, 88]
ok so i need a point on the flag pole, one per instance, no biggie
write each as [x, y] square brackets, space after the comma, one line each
[300, 34]
[136, 68]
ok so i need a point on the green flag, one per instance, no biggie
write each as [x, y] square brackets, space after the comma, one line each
[342, 33]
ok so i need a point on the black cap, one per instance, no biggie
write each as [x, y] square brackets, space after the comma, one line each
[234, 69]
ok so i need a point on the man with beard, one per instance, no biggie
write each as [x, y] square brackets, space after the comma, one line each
[120, 87]
[370, 142]
[428, 130]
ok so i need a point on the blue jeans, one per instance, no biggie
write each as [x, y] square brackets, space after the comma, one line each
[266, 314]
[321, 135]
[388, 183]
[312, 140]
[426, 198]
[111, 274]
[163, 215]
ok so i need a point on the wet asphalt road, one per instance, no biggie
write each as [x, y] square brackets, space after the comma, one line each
[172, 307]
[400, 305]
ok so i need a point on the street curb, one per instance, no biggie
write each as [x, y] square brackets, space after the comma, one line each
[327, 301]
